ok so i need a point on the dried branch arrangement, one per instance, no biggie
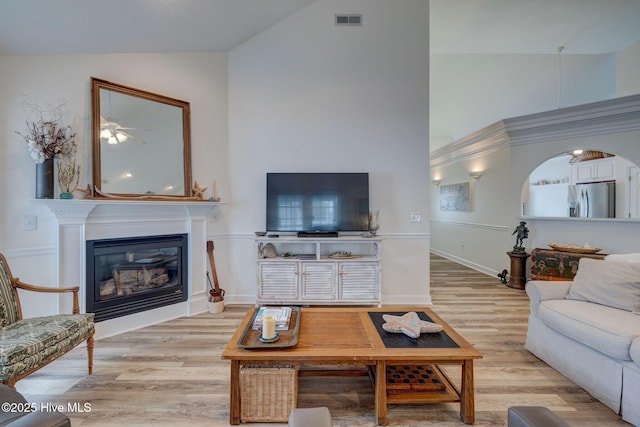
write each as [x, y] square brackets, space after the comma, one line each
[68, 172]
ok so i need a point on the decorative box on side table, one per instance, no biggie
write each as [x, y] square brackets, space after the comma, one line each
[550, 264]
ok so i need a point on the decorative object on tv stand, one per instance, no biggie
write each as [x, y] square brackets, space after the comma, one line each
[68, 172]
[373, 222]
[47, 138]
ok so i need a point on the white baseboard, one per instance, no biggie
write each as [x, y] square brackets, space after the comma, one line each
[466, 263]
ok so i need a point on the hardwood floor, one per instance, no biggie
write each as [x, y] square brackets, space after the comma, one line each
[171, 374]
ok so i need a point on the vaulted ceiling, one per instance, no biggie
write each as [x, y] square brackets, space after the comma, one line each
[457, 26]
[121, 26]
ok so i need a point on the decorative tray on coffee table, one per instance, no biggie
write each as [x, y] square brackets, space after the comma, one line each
[250, 338]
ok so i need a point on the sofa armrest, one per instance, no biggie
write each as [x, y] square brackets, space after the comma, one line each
[541, 290]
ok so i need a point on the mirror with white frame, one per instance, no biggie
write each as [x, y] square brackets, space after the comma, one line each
[583, 184]
[141, 143]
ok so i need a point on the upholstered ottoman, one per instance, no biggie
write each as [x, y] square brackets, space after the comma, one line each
[310, 417]
[533, 416]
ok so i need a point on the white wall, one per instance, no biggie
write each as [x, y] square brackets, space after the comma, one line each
[474, 238]
[627, 67]
[199, 78]
[306, 95]
[469, 92]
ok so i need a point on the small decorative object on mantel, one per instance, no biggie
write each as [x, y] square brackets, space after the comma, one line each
[47, 138]
[409, 324]
[198, 192]
[68, 172]
[215, 197]
[146, 197]
[522, 232]
[87, 193]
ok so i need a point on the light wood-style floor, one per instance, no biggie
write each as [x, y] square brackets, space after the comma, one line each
[171, 374]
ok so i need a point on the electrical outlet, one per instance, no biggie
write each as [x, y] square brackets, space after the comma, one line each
[29, 222]
[414, 217]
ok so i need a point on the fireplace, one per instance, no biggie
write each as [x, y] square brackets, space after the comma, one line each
[130, 275]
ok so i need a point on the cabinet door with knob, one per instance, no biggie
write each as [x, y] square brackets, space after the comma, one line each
[318, 281]
[278, 281]
[359, 281]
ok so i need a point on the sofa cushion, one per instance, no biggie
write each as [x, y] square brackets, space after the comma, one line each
[634, 351]
[611, 283]
[633, 257]
[602, 328]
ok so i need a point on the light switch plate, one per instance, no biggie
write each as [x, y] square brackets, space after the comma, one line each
[29, 222]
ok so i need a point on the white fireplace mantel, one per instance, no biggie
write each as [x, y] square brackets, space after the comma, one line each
[80, 220]
[79, 209]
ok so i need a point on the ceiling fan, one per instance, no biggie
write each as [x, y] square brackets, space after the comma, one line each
[116, 134]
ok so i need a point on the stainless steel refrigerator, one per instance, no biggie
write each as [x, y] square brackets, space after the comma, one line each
[592, 200]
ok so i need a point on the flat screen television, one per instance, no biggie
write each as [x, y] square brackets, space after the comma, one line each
[317, 202]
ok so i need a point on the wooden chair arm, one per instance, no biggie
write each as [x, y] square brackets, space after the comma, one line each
[17, 284]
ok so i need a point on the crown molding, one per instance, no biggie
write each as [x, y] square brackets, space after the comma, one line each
[479, 143]
[596, 118]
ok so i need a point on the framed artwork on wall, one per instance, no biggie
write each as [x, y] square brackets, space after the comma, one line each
[455, 197]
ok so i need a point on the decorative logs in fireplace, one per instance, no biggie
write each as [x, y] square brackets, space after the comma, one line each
[129, 275]
[140, 275]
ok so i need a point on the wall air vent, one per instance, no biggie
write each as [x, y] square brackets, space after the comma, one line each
[349, 20]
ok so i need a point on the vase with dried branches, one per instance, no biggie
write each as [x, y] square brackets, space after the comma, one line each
[47, 138]
[68, 177]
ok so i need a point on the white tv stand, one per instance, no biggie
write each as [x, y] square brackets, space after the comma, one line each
[304, 273]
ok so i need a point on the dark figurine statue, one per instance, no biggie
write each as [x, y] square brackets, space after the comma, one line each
[503, 276]
[522, 233]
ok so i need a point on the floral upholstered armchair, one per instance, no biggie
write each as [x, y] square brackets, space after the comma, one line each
[27, 345]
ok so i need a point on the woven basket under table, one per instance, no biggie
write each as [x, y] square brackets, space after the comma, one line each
[268, 394]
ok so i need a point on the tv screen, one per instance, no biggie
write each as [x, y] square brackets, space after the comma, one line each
[310, 202]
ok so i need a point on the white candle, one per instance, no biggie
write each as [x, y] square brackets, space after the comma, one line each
[268, 327]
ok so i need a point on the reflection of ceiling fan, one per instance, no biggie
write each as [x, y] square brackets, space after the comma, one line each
[114, 133]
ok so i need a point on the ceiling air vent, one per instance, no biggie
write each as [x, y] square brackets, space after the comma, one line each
[349, 20]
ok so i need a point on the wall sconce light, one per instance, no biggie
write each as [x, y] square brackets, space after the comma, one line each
[436, 182]
[476, 174]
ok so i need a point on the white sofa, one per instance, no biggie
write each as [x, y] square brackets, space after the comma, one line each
[589, 330]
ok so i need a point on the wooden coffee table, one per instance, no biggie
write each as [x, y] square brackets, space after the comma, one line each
[348, 337]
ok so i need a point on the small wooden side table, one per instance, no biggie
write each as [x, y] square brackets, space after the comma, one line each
[518, 275]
